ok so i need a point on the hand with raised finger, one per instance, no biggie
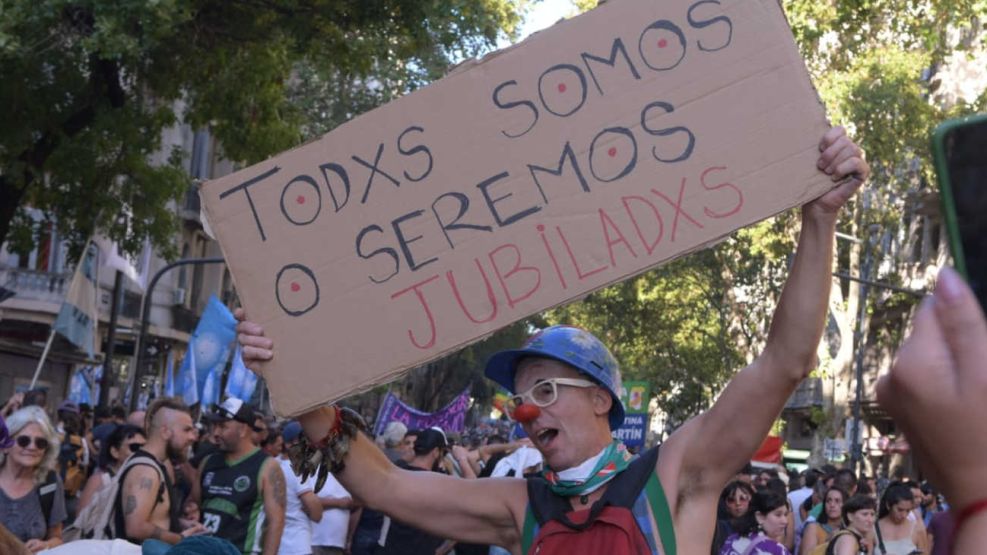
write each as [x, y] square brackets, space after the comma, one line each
[936, 389]
[256, 347]
[839, 158]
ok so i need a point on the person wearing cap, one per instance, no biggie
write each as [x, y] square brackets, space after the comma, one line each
[241, 491]
[400, 538]
[565, 385]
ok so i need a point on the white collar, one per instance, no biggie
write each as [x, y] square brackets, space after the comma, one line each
[582, 472]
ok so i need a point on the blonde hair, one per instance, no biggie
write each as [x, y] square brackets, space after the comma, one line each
[35, 415]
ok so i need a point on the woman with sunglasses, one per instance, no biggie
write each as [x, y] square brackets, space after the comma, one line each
[122, 442]
[28, 482]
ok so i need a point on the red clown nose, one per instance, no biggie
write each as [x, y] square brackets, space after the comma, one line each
[526, 413]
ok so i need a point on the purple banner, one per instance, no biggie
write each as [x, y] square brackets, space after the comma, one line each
[451, 418]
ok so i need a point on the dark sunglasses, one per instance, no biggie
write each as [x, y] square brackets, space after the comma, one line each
[135, 446]
[25, 441]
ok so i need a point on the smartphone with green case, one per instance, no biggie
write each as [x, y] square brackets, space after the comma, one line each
[959, 150]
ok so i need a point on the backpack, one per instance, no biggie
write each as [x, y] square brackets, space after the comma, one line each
[97, 520]
[828, 547]
[46, 495]
[618, 523]
[70, 458]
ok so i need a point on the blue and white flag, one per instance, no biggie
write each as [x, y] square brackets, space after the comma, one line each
[187, 377]
[214, 334]
[77, 317]
[210, 393]
[84, 385]
[241, 382]
[169, 378]
[79, 391]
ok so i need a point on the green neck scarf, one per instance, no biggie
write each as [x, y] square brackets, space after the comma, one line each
[589, 476]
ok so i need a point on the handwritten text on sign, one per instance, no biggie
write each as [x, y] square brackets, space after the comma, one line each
[590, 153]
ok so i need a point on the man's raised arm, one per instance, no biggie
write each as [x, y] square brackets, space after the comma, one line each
[476, 511]
[716, 444]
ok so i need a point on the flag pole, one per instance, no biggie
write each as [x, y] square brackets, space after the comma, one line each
[51, 336]
[44, 355]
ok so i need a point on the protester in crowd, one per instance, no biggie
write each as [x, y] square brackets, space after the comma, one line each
[761, 477]
[390, 440]
[147, 506]
[818, 531]
[566, 383]
[408, 445]
[136, 419]
[258, 429]
[118, 414]
[15, 402]
[798, 496]
[762, 529]
[897, 534]
[333, 535]
[302, 509]
[32, 501]
[930, 503]
[273, 444]
[858, 518]
[241, 490]
[122, 442]
[941, 533]
[397, 537]
[37, 397]
[935, 393]
[733, 505]
[73, 455]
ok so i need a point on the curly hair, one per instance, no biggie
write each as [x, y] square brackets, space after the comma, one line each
[35, 415]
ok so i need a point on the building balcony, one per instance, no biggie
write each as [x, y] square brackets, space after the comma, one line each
[32, 285]
[808, 394]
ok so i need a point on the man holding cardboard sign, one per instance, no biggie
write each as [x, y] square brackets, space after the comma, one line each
[566, 386]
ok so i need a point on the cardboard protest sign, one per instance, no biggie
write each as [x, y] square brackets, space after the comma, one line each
[595, 150]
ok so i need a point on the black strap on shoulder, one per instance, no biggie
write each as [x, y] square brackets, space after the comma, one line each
[880, 539]
[46, 494]
[118, 519]
[622, 491]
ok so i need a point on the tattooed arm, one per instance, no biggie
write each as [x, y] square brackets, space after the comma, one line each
[138, 497]
[275, 498]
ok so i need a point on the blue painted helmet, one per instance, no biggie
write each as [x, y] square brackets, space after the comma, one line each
[573, 346]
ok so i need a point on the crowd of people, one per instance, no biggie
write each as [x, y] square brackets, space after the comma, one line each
[772, 512]
[87, 482]
[226, 480]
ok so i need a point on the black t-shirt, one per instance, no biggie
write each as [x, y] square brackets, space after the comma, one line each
[405, 540]
[232, 502]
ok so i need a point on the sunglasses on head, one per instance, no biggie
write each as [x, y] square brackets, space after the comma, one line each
[25, 441]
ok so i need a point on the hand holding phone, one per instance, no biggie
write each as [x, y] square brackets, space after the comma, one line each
[959, 149]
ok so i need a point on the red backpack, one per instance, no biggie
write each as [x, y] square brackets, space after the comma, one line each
[621, 522]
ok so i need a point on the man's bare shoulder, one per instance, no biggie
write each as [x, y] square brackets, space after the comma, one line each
[142, 476]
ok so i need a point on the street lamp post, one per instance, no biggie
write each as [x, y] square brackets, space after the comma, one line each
[145, 313]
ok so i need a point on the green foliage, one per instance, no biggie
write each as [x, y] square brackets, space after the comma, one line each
[89, 87]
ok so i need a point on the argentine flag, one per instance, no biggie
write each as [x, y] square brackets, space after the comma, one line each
[241, 381]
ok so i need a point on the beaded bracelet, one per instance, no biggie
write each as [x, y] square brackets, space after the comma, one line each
[327, 454]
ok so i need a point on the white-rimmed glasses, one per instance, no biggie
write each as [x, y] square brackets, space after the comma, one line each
[544, 393]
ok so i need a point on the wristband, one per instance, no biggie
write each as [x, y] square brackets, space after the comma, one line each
[326, 455]
[968, 512]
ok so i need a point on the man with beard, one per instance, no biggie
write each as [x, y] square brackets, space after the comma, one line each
[241, 491]
[147, 506]
[565, 386]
